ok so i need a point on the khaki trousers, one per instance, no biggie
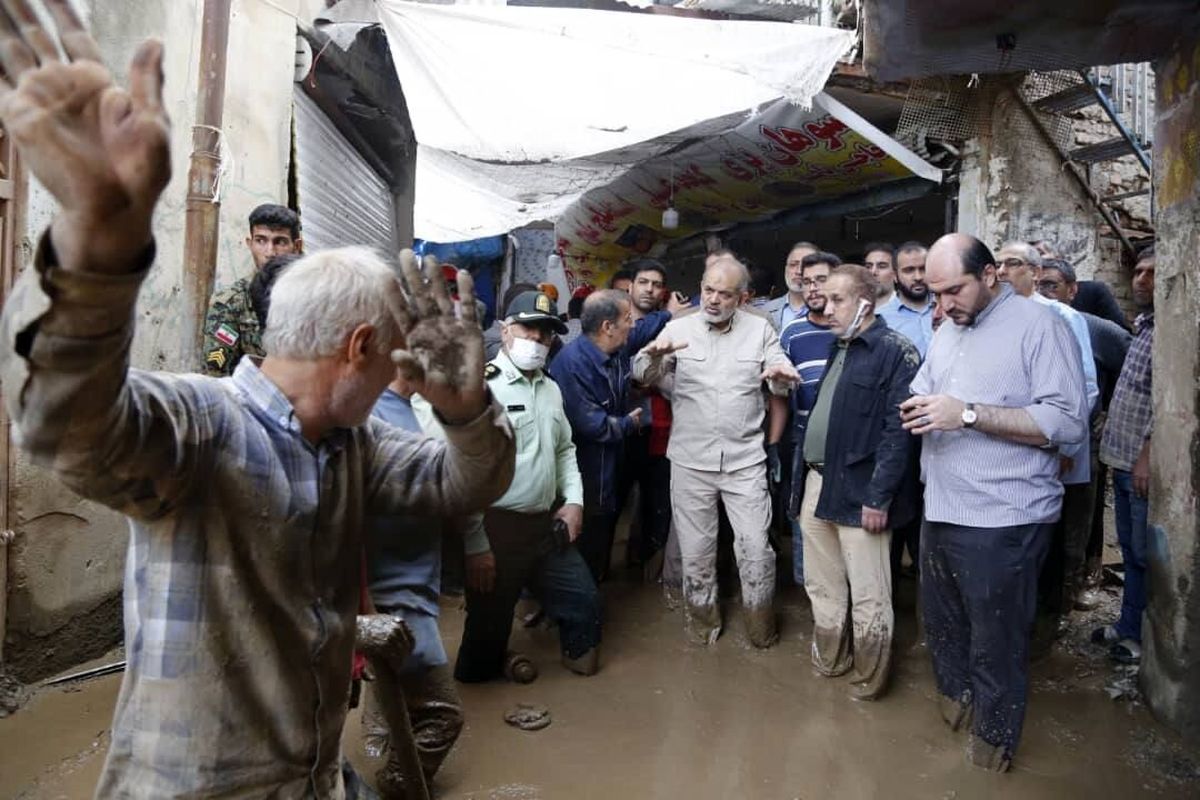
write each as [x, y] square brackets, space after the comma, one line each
[694, 496]
[847, 574]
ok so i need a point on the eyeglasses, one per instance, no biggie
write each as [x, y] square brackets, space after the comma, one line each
[1049, 285]
[1013, 263]
[809, 283]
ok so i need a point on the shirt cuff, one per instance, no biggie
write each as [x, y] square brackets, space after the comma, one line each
[83, 305]
[1058, 428]
[475, 541]
[474, 437]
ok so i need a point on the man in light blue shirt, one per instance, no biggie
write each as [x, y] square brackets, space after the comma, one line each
[1020, 264]
[910, 311]
[791, 306]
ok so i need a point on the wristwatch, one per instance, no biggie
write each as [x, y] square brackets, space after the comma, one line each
[969, 416]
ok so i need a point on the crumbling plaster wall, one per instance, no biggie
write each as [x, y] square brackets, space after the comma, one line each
[1013, 186]
[67, 561]
[1170, 674]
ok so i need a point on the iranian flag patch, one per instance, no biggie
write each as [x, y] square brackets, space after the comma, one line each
[226, 335]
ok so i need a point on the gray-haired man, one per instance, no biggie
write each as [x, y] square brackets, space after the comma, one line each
[720, 358]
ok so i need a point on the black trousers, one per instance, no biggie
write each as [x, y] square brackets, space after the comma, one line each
[979, 594]
[527, 557]
[652, 475]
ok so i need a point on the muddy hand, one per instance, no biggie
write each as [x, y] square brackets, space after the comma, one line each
[384, 637]
[444, 354]
[102, 151]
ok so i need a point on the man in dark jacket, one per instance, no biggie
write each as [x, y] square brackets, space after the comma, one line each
[855, 439]
[593, 374]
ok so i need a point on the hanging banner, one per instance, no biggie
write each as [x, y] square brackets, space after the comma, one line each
[781, 159]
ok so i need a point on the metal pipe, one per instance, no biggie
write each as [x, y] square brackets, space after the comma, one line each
[202, 223]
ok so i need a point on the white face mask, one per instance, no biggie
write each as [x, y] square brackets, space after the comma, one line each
[527, 354]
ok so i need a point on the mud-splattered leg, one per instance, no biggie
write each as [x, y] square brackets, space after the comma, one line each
[694, 509]
[825, 582]
[748, 504]
[867, 558]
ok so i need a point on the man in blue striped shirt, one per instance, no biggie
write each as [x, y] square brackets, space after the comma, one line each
[1001, 390]
[806, 340]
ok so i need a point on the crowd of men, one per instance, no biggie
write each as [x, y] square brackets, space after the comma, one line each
[296, 510]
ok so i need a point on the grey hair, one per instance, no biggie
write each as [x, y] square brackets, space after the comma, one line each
[599, 307]
[742, 273]
[321, 298]
[1028, 252]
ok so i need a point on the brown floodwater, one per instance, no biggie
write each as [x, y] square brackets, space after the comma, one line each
[665, 719]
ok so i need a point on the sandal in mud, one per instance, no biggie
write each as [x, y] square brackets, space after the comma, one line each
[519, 668]
[528, 717]
[1126, 651]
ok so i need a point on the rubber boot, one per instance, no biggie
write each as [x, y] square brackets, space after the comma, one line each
[992, 757]
[702, 624]
[956, 713]
[760, 625]
[586, 664]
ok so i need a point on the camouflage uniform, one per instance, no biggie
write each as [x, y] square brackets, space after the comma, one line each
[231, 330]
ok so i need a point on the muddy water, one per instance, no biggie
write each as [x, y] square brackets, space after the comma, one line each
[665, 719]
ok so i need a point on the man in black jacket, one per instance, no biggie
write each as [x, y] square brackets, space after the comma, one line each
[862, 483]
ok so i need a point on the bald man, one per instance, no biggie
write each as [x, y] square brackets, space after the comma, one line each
[1001, 390]
[718, 359]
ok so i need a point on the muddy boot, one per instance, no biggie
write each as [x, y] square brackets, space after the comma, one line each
[991, 757]
[955, 713]
[519, 668]
[586, 664]
[760, 625]
[702, 624]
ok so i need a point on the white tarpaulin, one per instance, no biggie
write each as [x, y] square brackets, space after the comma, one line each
[518, 84]
[519, 111]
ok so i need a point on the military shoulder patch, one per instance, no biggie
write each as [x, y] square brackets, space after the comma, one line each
[490, 371]
[216, 358]
[226, 335]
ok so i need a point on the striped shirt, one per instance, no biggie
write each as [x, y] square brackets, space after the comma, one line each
[807, 344]
[1018, 354]
[243, 574]
[1080, 454]
[1131, 412]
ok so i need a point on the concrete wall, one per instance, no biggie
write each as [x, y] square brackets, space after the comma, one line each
[1012, 186]
[66, 563]
[1171, 637]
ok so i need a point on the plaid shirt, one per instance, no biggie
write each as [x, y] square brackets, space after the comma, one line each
[1131, 412]
[242, 577]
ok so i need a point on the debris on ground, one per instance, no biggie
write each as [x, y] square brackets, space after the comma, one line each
[528, 717]
[13, 693]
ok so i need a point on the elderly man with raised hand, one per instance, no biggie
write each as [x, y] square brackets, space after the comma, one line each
[1001, 390]
[719, 359]
[247, 496]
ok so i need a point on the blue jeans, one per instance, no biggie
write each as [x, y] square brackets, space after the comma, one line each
[1131, 513]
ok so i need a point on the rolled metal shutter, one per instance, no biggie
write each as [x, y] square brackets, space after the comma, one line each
[342, 200]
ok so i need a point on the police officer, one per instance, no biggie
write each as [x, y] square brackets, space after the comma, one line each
[231, 328]
[529, 544]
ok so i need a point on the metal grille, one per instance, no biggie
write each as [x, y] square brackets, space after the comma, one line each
[944, 108]
[1040, 85]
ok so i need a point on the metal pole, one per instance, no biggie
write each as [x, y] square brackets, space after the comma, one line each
[203, 217]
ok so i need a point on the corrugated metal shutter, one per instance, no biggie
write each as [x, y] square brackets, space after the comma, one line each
[342, 200]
